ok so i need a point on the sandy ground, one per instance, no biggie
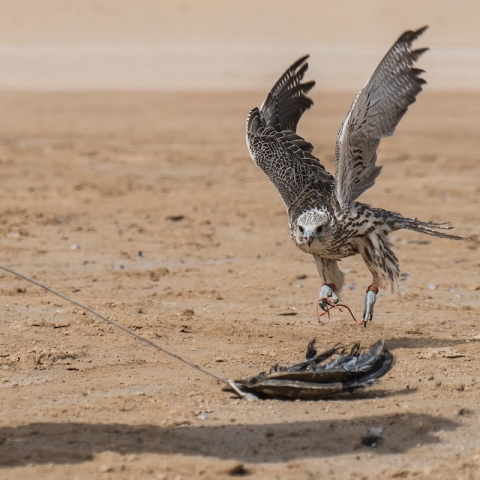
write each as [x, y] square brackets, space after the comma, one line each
[90, 180]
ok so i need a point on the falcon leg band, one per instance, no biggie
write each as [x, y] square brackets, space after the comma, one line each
[370, 299]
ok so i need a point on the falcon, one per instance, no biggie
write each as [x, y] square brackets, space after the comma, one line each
[324, 217]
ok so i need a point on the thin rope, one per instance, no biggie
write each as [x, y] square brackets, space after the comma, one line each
[331, 306]
[153, 344]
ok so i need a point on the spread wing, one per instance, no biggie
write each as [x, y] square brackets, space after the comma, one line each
[285, 157]
[374, 114]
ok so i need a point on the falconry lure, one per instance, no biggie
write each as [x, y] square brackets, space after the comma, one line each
[324, 216]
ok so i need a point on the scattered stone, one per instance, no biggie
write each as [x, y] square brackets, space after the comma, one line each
[58, 322]
[175, 218]
[158, 273]
[447, 352]
[105, 468]
[372, 441]
[34, 322]
[238, 470]
[373, 437]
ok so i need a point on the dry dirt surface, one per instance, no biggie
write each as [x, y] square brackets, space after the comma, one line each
[147, 207]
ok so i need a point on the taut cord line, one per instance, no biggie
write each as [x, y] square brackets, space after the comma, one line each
[231, 383]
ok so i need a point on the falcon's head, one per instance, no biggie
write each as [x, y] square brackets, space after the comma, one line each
[310, 225]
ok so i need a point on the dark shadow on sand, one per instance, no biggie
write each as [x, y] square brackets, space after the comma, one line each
[419, 341]
[59, 443]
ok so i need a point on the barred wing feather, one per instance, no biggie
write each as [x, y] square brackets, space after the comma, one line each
[285, 157]
[374, 114]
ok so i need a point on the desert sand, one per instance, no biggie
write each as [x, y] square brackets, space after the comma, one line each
[90, 180]
[127, 185]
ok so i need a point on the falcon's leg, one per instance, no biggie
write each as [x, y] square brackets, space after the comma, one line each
[383, 264]
[333, 278]
[370, 299]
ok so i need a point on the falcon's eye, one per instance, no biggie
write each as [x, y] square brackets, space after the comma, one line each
[318, 229]
[301, 229]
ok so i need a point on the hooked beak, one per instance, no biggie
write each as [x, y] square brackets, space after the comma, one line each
[309, 237]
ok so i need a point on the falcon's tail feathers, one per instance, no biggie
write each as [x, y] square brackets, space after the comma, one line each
[430, 228]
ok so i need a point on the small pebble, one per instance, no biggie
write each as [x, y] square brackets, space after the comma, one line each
[372, 441]
[58, 322]
[238, 470]
[36, 323]
[105, 468]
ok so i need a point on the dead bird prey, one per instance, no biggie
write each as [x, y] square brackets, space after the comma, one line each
[314, 379]
[324, 217]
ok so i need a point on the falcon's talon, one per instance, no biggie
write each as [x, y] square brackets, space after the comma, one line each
[327, 296]
[370, 299]
[324, 303]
